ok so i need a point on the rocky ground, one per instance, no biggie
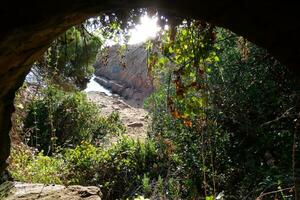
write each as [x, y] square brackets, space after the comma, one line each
[135, 118]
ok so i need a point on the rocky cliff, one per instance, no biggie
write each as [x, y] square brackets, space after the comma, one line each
[124, 71]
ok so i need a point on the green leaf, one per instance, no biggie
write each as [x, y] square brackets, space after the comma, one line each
[209, 198]
[216, 58]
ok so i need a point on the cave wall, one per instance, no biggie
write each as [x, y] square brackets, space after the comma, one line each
[28, 27]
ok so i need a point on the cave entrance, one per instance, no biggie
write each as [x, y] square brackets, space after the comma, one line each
[201, 78]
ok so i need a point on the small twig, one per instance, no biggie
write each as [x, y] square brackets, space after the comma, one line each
[91, 35]
[40, 193]
[295, 160]
[273, 192]
[285, 114]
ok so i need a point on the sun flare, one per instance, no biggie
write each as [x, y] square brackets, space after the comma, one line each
[148, 28]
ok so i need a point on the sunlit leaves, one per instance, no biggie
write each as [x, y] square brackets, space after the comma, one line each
[187, 51]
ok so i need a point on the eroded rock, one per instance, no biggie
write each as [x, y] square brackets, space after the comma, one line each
[30, 191]
[125, 73]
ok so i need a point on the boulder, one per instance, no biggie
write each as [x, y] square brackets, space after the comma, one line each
[31, 191]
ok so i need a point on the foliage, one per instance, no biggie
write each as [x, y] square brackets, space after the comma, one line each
[192, 150]
[223, 118]
[36, 168]
[68, 61]
[146, 185]
[255, 102]
[82, 163]
[227, 107]
[119, 170]
[59, 118]
[189, 49]
[109, 126]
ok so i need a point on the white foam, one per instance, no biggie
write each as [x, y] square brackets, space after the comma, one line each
[93, 86]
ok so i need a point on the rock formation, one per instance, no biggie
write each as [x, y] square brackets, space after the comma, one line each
[30, 191]
[126, 72]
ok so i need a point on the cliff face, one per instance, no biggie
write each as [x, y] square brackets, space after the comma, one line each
[125, 72]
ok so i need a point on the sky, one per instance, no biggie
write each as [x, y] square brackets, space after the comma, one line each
[146, 29]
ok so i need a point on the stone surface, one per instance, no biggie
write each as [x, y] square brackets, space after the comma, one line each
[127, 72]
[135, 119]
[32, 191]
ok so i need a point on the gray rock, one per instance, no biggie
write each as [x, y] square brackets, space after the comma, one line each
[128, 69]
[31, 191]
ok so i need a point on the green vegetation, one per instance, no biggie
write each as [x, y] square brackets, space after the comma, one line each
[223, 122]
[229, 112]
[66, 119]
[69, 60]
[28, 167]
[118, 170]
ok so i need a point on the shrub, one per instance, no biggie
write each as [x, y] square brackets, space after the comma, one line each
[61, 118]
[238, 125]
[109, 126]
[119, 170]
[82, 163]
[28, 167]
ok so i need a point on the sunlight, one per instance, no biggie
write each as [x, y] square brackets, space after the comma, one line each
[148, 28]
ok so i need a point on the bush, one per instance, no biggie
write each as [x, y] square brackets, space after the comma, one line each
[27, 167]
[109, 126]
[69, 60]
[238, 125]
[119, 170]
[61, 118]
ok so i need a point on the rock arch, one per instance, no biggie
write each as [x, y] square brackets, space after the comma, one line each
[28, 27]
